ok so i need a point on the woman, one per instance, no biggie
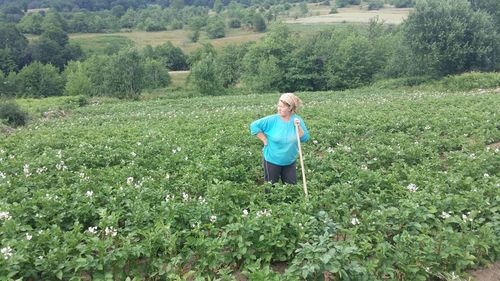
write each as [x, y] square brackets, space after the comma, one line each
[277, 133]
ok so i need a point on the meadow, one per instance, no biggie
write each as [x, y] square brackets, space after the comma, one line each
[140, 39]
[403, 185]
[321, 15]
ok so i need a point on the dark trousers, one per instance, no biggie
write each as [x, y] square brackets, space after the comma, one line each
[272, 173]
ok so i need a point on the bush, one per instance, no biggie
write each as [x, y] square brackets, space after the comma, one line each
[12, 114]
[397, 83]
[194, 36]
[468, 81]
[76, 101]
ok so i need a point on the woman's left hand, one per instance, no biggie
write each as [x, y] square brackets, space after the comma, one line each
[296, 121]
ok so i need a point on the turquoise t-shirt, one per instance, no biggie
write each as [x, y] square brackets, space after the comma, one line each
[281, 148]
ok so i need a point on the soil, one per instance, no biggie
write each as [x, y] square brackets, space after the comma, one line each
[491, 273]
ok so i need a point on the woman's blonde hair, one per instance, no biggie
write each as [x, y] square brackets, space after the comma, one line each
[292, 100]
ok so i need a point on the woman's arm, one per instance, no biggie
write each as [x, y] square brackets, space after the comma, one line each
[262, 137]
[303, 132]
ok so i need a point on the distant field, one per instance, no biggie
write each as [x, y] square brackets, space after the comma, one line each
[318, 18]
[178, 37]
[352, 15]
[178, 78]
[102, 44]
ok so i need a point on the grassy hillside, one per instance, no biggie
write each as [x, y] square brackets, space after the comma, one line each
[403, 186]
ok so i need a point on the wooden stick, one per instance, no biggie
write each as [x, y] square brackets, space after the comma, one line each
[301, 160]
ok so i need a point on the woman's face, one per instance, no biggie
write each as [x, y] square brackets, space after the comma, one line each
[284, 109]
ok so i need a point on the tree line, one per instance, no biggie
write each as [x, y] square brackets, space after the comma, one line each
[439, 38]
[151, 18]
[342, 57]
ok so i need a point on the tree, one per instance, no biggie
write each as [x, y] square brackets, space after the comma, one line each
[95, 69]
[303, 9]
[155, 75]
[177, 4]
[31, 23]
[266, 77]
[3, 82]
[307, 70]
[205, 77]
[267, 62]
[46, 51]
[53, 19]
[11, 13]
[79, 22]
[8, 60]
[491, 7]
[205, 50]
[171, 56]
[52, 47]
[344, 3]
[354, 65]
[197, 22]
[218, 6]
[39, 80]
[129, 19]
[118, 11]
[77, 81]
[10, 85]
[230, 63]
[402, 3]
[56, 34]
[13, 46]
[124, 75]
[375, 4]
[234, 23]
[215, 28]
[448, 37]
[258, 23]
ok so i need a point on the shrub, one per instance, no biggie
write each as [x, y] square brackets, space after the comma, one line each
[12, 114]
[39, 80]
[75, 102]
[194, 36]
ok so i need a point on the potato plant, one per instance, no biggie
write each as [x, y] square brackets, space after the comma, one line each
[402, 186]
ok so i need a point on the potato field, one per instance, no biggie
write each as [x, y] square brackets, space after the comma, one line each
[402, 186]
